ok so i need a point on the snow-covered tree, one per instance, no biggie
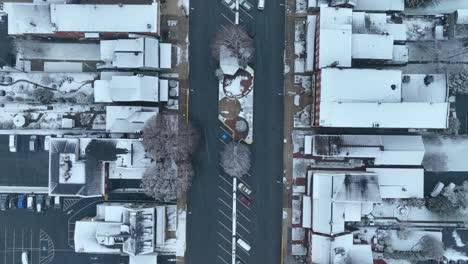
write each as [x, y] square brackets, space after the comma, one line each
[421, 3]
[43, 95]
[236, 39]
[431, 247]
[235, 159]
[241, 125]
[170, 142]
[219, 74]
[167, 135]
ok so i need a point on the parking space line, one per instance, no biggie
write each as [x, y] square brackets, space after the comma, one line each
[5, 245]
[224, 203]
[247, 13]
[243, 204]
[243, 227]
[245, 251]
[222, 259]
[229, 253]
[241, 259]
[32, 255]
[222, 177]
[226, 192]
[22, 240]
[224, 226]
[14, 245]
[227, 240]
[227, 18]
[225, 215]
[242, 238]
[239, 212]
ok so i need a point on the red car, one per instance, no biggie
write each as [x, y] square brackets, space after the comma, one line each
[245, 200]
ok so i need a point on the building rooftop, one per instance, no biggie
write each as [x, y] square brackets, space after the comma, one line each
[328, 250]
[381, 6]
[384, 149]
[49, 19]
[127, 89]
[128, 119]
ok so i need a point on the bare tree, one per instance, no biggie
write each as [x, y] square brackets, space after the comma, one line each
[431, 248]
[166, 135]
[421, 3]
[236, 39]
[160, 181]
[235, 159]
[170, 141]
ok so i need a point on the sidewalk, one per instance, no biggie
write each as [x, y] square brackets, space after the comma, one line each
[175, 22]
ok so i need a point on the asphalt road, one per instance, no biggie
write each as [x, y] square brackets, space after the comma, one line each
[263, 219]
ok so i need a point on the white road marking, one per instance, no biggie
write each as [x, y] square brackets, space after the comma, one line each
[244, 228]
[234, 211]
[226, 192]
[227, 240]
[14, 239]
[224, 226]
[230, 21]
[222, 260]
[225, 214]
[225, 203]
[244, 216]
[224, 179]
[224, 249]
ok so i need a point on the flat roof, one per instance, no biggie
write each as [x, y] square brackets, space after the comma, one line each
[381, 5]
[335, 37]
[371, 46]
[399, 183]
[28, 18]
[360, 85]
[384, 115]
[105, 18]
[415, 90]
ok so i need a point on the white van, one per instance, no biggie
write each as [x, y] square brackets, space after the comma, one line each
[261, 4]
[12, 143]
[24, 257]
[243, 244]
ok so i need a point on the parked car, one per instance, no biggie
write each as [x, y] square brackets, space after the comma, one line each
[57, 204]
[32, 143]
[39, 203]
[261, 4]
[245, 200]
[437, 189]
[230, 3]
[12, 201]
[244, 189]
[21, 199]
[30, 202]
[12, 143]
[246, 5]
[47, 143]
[24, 257]
[243, 244]
[3, 202]
[49, 201]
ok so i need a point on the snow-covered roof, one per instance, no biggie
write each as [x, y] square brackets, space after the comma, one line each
[337, 198]
[335, 37]
[128, 119]
[59, 66]
[105, 18]
[369, 23]
[400, 54]
[163, 90]
[28, 18]
[310, 43]
[85, 238]
[398, 31]
[165, 55]
[461, 16]
[385, 149]
[131, 53]
[127, 89]
[360, 85]
[328, 250]
[370, 46]
[381, 5]
[143, 259]
[415, 90]
[384, 115]
[306, 211]
[58, 51]
[399, 183]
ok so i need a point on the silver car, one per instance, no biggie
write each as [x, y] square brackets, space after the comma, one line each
[244, 189]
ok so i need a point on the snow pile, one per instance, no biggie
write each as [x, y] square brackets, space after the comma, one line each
[457, 238]
[184, 5]
[180, 233]
[444, 153]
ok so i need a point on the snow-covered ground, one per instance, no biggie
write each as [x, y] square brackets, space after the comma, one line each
[181, 232]
[299, 46]
[445, 153]
[185, 5]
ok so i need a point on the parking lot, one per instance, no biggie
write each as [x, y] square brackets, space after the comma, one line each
[243, 214]
[16, 240]
[245, 17]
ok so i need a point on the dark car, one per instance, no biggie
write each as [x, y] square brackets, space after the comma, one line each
[21, 200]
[12, 202]
[3, 202]
[245, 200]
